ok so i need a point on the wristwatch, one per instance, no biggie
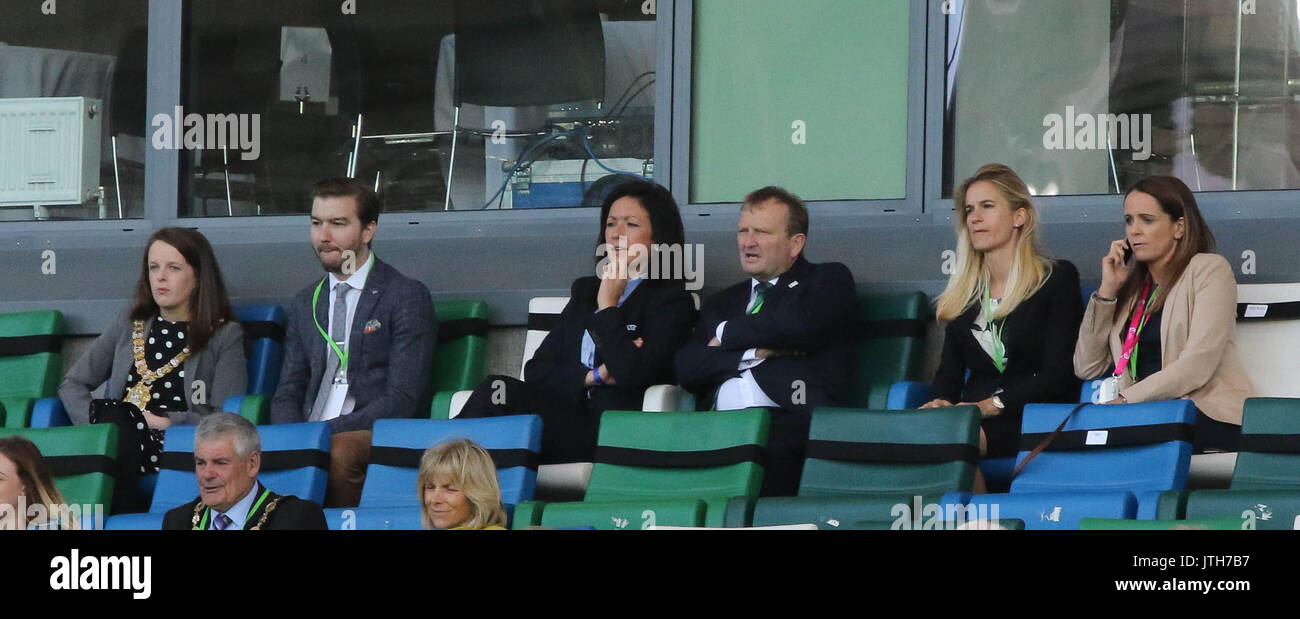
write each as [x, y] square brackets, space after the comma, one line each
[997, 401]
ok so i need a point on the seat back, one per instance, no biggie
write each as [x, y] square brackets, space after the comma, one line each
[31, 362]
[295, 461]
[1267, 458]
[83, 460]
[695, 455]
[864, 452]
[1268, 336]
[1264, 509]
[543, 313]
[460, 360]
[1120, 447]
[513, 441]
[890, 329]
[263, 344]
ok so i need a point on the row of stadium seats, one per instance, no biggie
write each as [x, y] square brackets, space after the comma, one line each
[1111, 467]
[893, 331]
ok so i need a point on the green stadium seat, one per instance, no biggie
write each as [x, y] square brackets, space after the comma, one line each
[890, 346]
[676, 468]
[253, 407]
[460, 360]
[1265, 488]
[31, 362]
[1267, 456]
[862, 464]
[82, 458]
[1205, 524]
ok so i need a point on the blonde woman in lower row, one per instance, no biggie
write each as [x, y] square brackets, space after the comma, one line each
[458, 488]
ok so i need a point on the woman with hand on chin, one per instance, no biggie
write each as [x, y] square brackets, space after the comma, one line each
[1012, 313]
[616, 336]
[1163, 322]
[174, 356]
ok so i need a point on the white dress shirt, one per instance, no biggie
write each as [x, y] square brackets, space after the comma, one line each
[743, 391]
[335, 406]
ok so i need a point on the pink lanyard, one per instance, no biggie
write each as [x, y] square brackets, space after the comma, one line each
[1135, 327]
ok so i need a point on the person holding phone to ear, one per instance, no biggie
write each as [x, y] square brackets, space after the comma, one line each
[1012, 313]
[1162, 325]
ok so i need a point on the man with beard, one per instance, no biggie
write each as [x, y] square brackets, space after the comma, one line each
[359, 343]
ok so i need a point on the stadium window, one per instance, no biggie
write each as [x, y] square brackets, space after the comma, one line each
[1089, 97]
[509, 103]
[72, 109]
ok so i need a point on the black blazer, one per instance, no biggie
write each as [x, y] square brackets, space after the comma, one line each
[660, 312]
[1038, 337]
[810, 309]
[289, 514]
[390, 352]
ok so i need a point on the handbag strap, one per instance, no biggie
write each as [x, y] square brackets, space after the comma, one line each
[1047, 441]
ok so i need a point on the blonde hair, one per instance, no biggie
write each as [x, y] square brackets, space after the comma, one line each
[970, 275]
[471, 469]
[36, 479]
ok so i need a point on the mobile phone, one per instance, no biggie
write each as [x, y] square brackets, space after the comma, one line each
[1128, 253]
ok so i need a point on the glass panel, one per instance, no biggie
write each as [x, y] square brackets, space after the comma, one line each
[541, 95]
[72, 91]
[1089, 97]
[811, 95]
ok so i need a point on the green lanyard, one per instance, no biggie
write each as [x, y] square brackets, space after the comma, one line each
[343, 354]
[207, 511]
[999, 360]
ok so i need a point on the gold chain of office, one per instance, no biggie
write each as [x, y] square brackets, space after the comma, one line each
[142, 392]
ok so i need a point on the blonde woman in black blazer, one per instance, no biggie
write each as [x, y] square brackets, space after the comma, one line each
[1025, 355]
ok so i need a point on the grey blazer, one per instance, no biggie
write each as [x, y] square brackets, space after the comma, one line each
[221, 365]
[393, 334]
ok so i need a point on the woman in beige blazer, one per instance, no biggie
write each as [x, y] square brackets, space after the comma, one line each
[1182, 344]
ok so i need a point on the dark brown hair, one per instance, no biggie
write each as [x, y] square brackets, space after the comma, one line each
[209, 303]
[366, 200]
[1177, 201]
[796, 220]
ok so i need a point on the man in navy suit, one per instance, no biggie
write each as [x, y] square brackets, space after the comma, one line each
[779, 340]
[360, 341]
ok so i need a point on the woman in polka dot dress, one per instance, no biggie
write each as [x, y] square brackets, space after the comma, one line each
[175, 356]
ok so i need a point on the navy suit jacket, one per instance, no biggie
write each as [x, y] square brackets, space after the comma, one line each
[388, 363]
[660, 312]
[810, 310]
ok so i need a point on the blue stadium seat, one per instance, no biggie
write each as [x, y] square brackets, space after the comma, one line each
[1105, 454]
[1052, 510]
[134, 522]
[295, 460]
[405, 518]
[263, 344]
[49, 413]
[397, 445]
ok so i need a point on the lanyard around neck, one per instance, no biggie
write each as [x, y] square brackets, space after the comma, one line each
[207, 511]
[1128, 353]
[999, 360]
[343, 354]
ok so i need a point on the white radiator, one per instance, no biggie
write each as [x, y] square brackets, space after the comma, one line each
[49, 150]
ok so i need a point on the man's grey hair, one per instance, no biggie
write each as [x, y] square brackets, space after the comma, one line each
[229, 425]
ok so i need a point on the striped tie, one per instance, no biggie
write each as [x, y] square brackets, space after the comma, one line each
[760, 291]
[222, 521]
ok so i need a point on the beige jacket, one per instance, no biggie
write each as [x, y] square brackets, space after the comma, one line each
[1198, 347]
